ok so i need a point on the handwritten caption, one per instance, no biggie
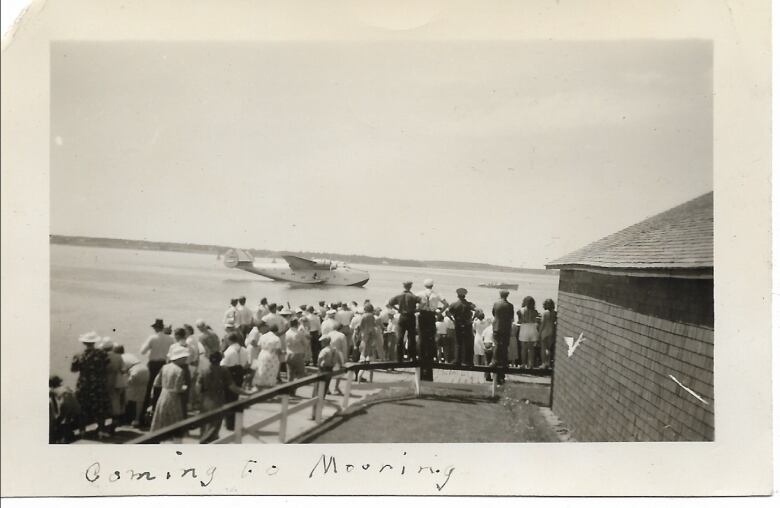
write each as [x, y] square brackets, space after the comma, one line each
[325, 466]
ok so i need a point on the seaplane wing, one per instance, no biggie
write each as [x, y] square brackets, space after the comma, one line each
[299, 263]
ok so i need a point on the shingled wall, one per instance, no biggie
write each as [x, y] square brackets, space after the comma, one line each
[616, 385]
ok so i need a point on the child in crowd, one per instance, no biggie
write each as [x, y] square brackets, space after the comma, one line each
[488, 344]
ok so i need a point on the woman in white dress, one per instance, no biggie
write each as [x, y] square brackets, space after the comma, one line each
[266, 366]
[478, 326]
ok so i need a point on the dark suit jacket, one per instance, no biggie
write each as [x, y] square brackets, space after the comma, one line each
[504, 313]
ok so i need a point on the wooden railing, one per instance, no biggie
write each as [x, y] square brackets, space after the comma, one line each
[317, 401]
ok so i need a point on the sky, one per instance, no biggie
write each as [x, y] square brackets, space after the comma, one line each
[511, 153]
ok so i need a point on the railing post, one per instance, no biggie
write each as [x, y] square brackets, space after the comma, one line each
[494, 385]
[417, 374]
[371, 376]
[347, 390]
[239, 432]
[320, 402]
[283, 420]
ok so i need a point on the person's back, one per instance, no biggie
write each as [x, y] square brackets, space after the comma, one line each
[273, 319]
[479, 325]
[212, 380]
[527, 316]
[231, 316]
[503, 313]
[326, 360]
[313, 321]
[547, 328]
[344, 316]
[245, 316]
[210, 341]
[297, 341]
[406, 302]
[367, 323]
[339, 342]
[157, 346]
[328, 325]
[429, 300]
[113, 369]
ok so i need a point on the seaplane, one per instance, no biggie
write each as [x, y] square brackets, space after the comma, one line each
[298, 270]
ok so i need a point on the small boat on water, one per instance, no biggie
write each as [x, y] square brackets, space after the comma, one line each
[499, 285]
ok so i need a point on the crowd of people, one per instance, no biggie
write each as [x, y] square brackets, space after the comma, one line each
[190, 369]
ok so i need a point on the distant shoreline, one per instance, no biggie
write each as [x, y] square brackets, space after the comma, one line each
[119, 243]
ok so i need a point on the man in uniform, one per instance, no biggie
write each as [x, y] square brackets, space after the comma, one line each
[429, 303]
[406, 305]
[462, 312]
[503, 314]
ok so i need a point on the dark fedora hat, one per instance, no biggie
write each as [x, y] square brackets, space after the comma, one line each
[158, 323]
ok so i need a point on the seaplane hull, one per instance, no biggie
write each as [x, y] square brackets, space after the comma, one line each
[298, 270]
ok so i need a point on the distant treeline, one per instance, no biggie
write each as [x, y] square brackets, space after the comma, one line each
[118, 243]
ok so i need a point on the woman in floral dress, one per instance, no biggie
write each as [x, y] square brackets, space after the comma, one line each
[172, 381]
[91, 389]
[266, 366]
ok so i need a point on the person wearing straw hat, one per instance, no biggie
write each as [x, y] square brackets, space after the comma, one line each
[180, 335]
[171, 380]
[91, 389]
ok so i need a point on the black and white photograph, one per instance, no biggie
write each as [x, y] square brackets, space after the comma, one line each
[403, 239]
[229, 220]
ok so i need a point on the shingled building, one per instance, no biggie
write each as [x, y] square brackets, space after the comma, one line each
[641, 300]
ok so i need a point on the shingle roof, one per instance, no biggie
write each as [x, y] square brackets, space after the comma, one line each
[680, 238]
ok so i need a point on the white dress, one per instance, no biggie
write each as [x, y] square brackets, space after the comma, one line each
[266, 365]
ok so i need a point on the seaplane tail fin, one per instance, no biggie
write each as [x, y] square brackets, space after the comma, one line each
[237, 257]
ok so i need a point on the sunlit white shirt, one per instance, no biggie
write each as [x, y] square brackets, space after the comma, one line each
[235, 355]
[429, 300]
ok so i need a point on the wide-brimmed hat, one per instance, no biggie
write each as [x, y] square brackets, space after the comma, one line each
[285, 312]
[330, 312]
[200, 323]
[89, 338]
[106, 343]
[428, 283]
[158, 323]
[178, 352]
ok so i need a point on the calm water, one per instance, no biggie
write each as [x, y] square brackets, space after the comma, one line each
[119, 293]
